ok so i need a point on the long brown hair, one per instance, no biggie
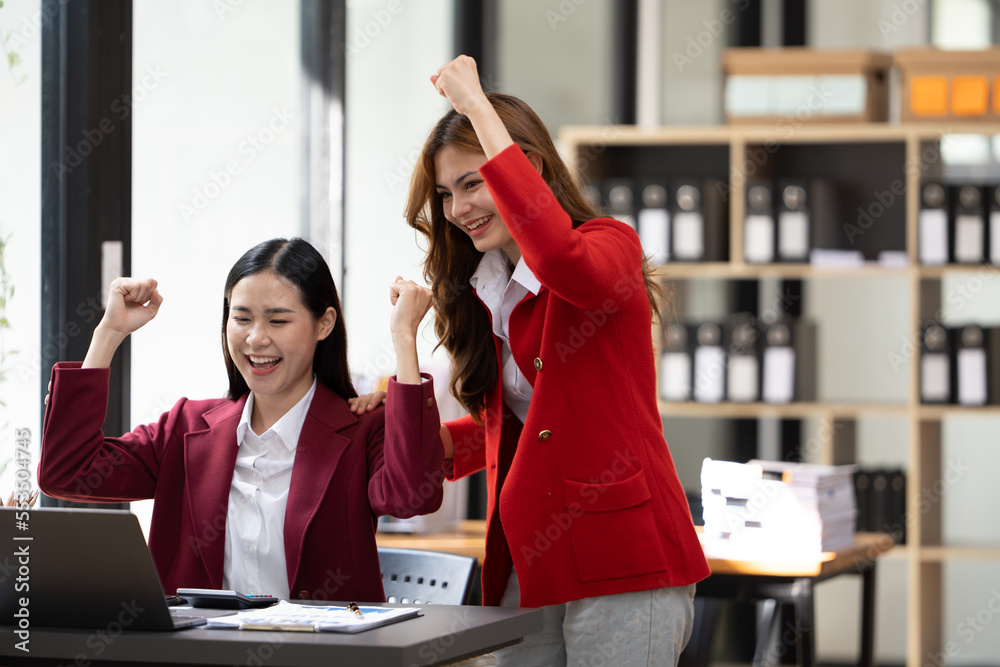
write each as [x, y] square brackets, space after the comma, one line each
[461, 323]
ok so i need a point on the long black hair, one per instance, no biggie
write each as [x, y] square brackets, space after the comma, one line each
[300, 264]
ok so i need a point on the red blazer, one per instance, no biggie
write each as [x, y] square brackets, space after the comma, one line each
[348, 469]
[592, 504]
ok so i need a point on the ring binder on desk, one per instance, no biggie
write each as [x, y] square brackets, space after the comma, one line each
[758, 224]
[935, 373]
[932, 222]
[709, 364]
[676, 367]
[654, 223]
[793, 222]
[969, 226]
[687, 241]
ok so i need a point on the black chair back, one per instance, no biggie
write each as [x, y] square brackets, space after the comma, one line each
[416, 576]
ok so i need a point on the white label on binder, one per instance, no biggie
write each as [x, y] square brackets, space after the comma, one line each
[972, 376]
[654, 232]
[758, 239]
[689, 235]
[675, 376]
[934, 379]
[779, 374]
[709, 373]
[742, 378]
[995, 237]
[793, 235]
[933, 236]
[969, 239]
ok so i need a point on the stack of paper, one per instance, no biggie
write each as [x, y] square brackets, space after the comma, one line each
[287, 616]
[776, 509]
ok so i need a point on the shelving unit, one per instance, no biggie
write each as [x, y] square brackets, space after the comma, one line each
[890, 153]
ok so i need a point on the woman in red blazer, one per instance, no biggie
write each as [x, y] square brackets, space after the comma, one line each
[546, 309]
[277, 488]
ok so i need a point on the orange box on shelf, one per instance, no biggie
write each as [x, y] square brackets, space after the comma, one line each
[949, 85]
[765, 85]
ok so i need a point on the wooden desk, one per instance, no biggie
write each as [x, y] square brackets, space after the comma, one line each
[771, 582]
[441, 636]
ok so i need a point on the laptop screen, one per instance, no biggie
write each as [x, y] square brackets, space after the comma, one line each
[79, 568]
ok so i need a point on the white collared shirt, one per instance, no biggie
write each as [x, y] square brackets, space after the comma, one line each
[255, 522]
[500, 295]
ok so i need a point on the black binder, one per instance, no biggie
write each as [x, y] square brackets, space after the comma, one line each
[935, 364]
[676, 363]
[758, 223]
[653, 220]
[687, 221]
[932, 224]
[862, 498]
[967, 230]
[619, 193]
[789, 361]
[969, 366]
[793, 224]
[709, 364]
[741, 340]
[896, 505]
[993, 228]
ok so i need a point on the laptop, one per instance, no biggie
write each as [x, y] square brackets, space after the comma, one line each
[82, 568]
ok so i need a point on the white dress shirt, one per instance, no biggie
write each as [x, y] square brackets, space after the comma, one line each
[255, 522]
[501, 294]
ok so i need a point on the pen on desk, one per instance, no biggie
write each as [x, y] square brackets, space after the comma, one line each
[354, 607]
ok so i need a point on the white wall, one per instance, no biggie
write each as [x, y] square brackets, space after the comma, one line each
[391, 108]
[20, 220]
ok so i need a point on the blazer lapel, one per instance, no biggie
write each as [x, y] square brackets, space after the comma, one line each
[209, 461]
[317, 455]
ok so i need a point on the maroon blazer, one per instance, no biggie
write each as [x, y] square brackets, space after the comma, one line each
[348, 469]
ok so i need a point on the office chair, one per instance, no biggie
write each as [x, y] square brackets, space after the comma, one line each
[426, 577]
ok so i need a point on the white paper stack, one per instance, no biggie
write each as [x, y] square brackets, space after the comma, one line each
[776, 509]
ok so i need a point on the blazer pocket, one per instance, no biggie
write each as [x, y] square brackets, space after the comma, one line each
[614, 531]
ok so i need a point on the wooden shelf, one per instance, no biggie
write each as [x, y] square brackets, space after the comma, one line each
[943, 411]
[631, 135]
[781, 411]
[941, 271]
[940, 554]
[829, 152]
[734, 271]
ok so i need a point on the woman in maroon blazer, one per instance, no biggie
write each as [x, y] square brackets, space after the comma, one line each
[277, 488]
[546, 309]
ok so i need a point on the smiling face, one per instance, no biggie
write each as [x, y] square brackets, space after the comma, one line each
[467, 201]
[272, 337]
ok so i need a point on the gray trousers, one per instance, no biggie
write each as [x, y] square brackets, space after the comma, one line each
[640, 629]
